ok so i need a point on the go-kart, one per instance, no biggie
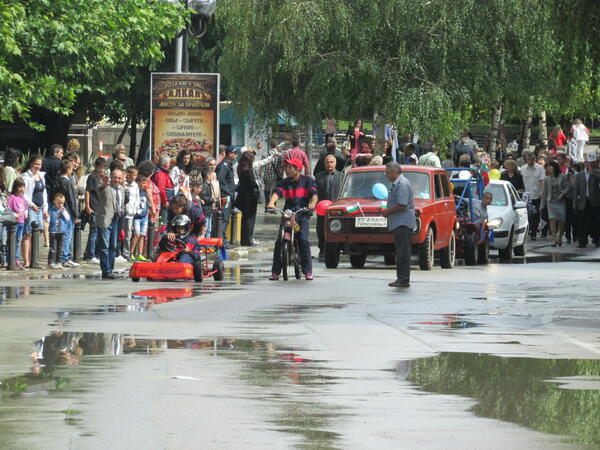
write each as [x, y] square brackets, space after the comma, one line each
[165, 267]
[473, 235]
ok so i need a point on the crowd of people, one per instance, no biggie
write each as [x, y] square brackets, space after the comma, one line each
[560, 181]
[120, 201]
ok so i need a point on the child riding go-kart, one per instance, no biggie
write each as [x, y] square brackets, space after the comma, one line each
[181, 256]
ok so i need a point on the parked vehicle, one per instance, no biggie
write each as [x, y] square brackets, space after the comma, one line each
[290, 247]
[365, 232]
[473, 236]
[507, 219]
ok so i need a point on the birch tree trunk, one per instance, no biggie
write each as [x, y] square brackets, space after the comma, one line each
[526, 136]
[496, 116]
[379, 122]
[124, 131]
[308, 145]
[543, 129]
[133, 135]
[144, 143]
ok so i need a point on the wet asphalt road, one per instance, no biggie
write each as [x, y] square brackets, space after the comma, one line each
[504, 356]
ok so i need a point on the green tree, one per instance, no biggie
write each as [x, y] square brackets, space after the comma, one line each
[53, 51]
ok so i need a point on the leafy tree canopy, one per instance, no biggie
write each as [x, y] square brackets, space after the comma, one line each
[53, 50]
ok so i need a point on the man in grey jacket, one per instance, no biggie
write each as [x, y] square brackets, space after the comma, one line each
[400, 213]
[111, 207]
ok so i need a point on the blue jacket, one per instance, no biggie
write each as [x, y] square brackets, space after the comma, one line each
[57, 223]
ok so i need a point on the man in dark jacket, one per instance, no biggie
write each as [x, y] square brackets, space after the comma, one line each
[465, 146]
[227, 183]
[330, 150]
[328, 187]
[586, 201]
[51, 166]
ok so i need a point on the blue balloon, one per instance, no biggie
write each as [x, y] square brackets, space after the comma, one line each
[380, 192]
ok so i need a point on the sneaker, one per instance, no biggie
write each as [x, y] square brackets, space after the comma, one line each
[94, 260]
[55, 266]
[120, 259]
[274, 277]
[309, 276]
[142, 258]
[69, 263]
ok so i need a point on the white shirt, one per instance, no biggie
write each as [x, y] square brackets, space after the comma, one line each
[532, 179]
[580, 132]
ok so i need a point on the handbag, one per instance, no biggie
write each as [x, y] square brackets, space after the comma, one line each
[260, 185]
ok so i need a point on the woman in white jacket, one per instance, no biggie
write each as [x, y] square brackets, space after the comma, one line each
[180, 174]
[37, 198]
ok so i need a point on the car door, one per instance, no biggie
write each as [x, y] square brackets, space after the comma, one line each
[444, 207]
[522, 220]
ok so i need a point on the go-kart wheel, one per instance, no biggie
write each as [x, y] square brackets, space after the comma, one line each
[470, 249]
[483, 256]
[198, 271]
[220, 270]
[135, 279]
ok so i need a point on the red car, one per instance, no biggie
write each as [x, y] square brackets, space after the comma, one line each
[365, 232]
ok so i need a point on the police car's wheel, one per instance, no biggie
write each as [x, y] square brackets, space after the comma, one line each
[506, 254]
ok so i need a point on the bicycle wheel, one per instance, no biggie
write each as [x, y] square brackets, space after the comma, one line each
[285, 258]
[296, 262]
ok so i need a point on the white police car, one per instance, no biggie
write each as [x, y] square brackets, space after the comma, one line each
[507, 217]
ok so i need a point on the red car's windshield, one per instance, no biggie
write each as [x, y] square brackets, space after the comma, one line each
[360, 184]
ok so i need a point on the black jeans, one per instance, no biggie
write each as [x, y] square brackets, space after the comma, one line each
[56, 245]
[588, 223]
[534, 219]
[321, 233]
[402, 237]
[248, 219]
[571, 223]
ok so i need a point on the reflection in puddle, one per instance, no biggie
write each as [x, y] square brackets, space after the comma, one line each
[294, 312]
[451, 321]
[65, 362]
[525, 391]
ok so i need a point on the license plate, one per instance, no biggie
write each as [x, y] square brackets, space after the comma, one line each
[370, 222]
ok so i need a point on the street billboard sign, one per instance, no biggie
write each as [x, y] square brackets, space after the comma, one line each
[184, 114]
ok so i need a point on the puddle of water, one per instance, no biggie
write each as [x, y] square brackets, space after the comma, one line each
[451, 321]
[539, 394]
[8, 293]
[64, 363]
[292, 313]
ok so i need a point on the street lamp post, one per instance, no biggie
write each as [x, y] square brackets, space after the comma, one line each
[203, 10]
